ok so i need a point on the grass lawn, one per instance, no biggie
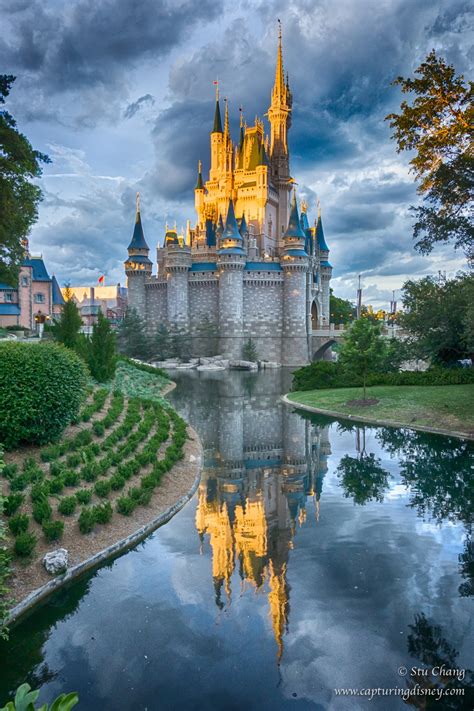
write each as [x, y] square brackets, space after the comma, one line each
[445, 407]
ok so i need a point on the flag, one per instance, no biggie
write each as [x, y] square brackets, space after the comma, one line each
[215, 82]
[101, 280]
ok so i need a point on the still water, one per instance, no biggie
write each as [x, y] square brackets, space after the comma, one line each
[315, 555]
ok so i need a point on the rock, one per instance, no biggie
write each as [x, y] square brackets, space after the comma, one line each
[243, 365]
[210, 366]
[271, 364]
[57, 561]
[185, 366]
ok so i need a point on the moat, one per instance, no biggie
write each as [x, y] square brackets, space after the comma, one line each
[314, 556]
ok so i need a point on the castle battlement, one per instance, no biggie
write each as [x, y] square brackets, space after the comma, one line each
[251, 267]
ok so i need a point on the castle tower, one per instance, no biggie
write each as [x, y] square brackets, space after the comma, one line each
[178, 263]
[231, 262]
[295, 264]
[279, 115]
[326, 270]
[137, 267]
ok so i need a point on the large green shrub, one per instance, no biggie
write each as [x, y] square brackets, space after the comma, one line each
[41, 389]
[25, 701]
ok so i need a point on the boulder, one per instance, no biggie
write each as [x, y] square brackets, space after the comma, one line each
[210, 366]
[243, 365]
[185, 366]
[268, 364]
[56, 562]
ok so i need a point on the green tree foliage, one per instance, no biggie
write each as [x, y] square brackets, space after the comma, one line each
[438, 127]
[363, 350]
[438, 316]
[341, 310]
[25, 701]
[19, 197]
[132, 339]
[249, 351]
[102, 356]
[41, 389]
[66, 328]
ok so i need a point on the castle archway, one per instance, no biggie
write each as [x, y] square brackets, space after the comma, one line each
[314, 316]
[323, 352]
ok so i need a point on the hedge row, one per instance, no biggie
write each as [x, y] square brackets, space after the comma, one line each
[324, 375]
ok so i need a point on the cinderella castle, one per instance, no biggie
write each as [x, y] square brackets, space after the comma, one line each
[252, 267]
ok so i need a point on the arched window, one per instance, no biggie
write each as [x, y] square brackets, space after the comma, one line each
[314, 316]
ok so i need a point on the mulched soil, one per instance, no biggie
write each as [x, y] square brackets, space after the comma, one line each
[363, 403]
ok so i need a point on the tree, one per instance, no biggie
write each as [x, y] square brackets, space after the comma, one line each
[362, 350]
[102, 351]
[363, 478]
[437, 317]
[162, 342]
[437, 125]
[19, 197]
[249, 351]
[66, 328]
[341, 310]
[132, 338]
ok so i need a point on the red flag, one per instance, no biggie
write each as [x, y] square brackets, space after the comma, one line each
[101, 279]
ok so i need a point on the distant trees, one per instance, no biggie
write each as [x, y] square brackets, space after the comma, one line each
[439, 317]
[341, 310]
[132, 338]
[438, 128]
[19, 196]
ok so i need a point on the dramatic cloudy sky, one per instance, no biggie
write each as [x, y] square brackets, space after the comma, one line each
[119, 93]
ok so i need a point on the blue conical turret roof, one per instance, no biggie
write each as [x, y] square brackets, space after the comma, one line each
[231, 229]
[220, 227]
[138, 238]
[243, 228]
[294, 226]
[321, 241]
[210, 234]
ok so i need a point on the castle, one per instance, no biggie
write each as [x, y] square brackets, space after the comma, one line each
[252, 267]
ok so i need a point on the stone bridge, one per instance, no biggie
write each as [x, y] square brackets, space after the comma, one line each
[324, 337]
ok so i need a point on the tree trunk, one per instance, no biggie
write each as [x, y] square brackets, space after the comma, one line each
[363, 380]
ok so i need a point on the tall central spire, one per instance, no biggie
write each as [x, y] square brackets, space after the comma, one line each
[279, 87]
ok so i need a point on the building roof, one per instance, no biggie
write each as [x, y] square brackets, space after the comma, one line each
[294, 225]
[203, 267]
[217, 128]
[263, 267]
[39, 270]
[320, 236]
[58, 298]
[326, 264]
[199, 184]
[7, 287]
[9, 310]
[210, 234]
[231, 250]
[243, 228]
[138, 238]
[231, 229]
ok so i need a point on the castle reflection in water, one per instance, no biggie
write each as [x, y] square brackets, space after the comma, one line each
[262, 463]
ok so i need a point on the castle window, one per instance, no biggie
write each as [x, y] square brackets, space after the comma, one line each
[8, 296]
[39, 298]
[24, 281]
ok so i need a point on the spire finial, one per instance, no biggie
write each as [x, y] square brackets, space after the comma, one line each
[199, 166]
[241, 116]
[216, 84]
[304, 206]
[319, 207]
[279, 88]
[138, 203]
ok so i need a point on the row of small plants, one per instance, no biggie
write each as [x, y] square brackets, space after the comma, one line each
[41, 488]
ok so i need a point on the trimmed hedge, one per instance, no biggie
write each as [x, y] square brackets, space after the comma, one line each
[323, 375]
[41, 389]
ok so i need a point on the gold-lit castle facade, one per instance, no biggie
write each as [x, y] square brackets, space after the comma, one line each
[252, 266]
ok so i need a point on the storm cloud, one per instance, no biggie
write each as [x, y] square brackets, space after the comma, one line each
[121, 95]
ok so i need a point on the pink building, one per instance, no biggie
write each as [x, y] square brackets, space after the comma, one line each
[36, 299]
